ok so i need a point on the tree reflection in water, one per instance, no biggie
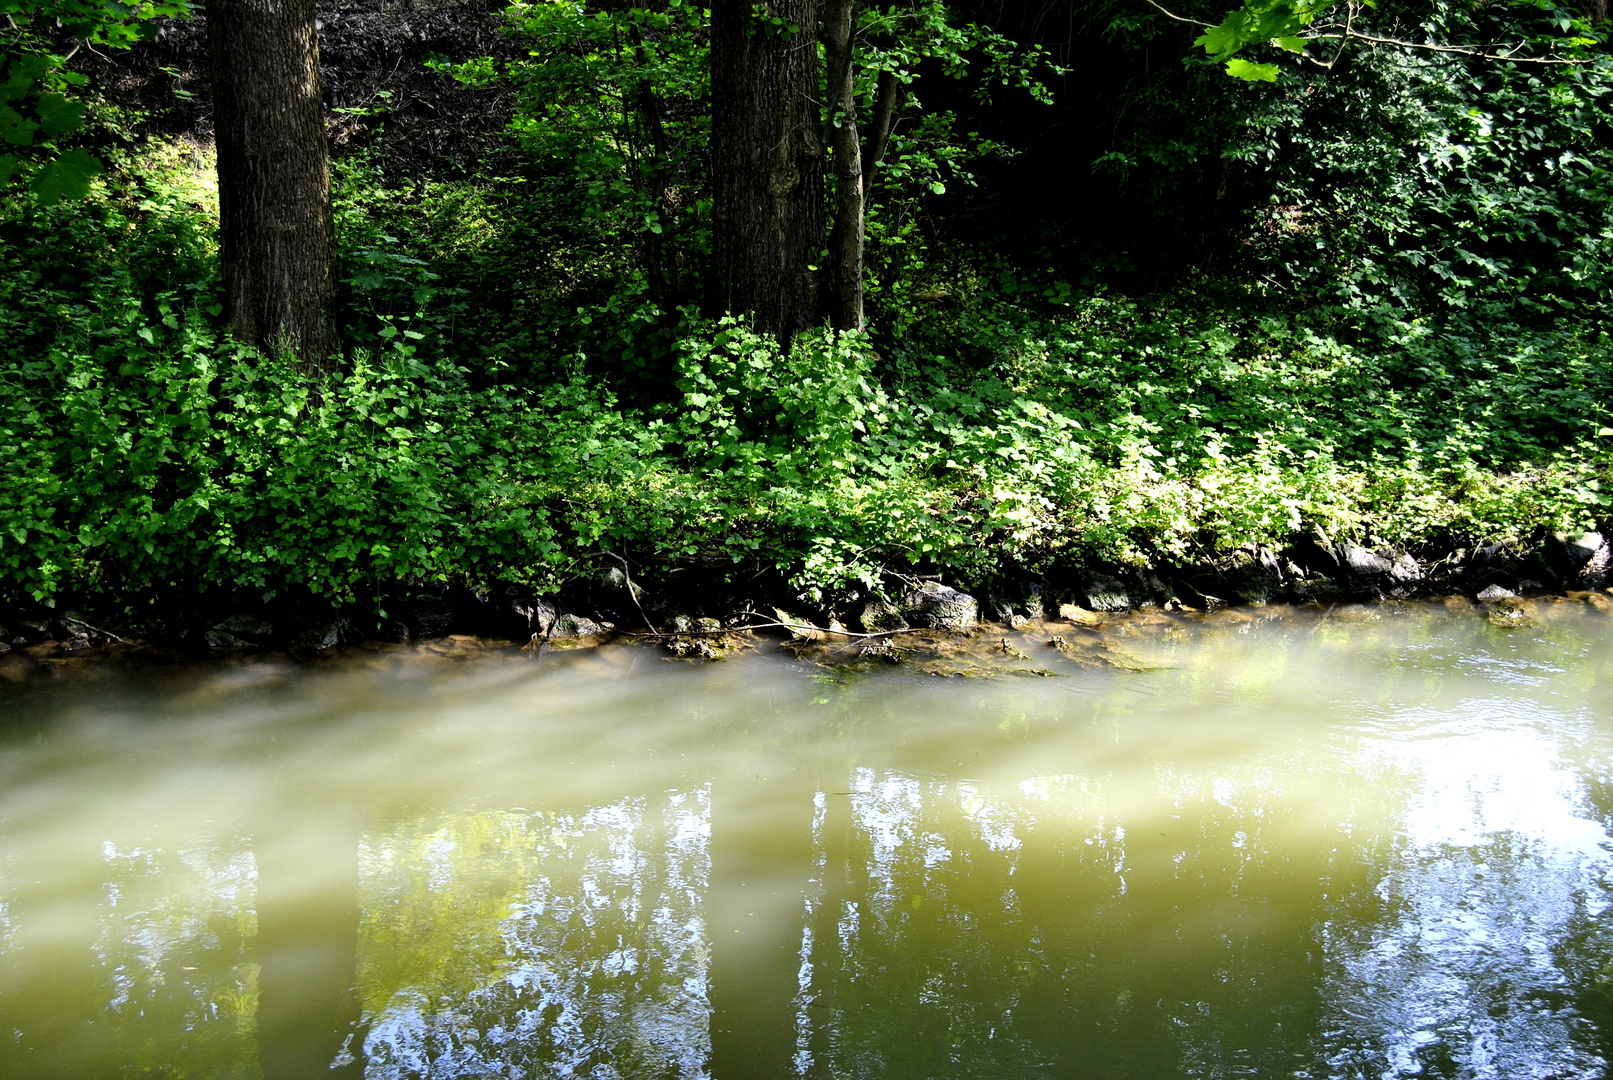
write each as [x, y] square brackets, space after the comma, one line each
[954, 931]
[1497, 864]
[505, 944]
[176, 948]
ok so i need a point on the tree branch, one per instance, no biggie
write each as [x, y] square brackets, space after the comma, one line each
[1181, 18]
[1349, 34]
[879, 130]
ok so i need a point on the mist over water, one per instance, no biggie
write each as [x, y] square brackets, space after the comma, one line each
[1296, 846]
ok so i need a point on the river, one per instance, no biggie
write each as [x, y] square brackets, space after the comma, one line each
[1354, 843]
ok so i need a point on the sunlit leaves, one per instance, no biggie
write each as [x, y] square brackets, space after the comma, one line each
[1239, 68]
[1289, 25]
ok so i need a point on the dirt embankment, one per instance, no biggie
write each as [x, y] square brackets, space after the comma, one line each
[372, 66]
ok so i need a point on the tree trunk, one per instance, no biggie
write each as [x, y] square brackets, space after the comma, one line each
[885, 98]
[766, 163]
[276, 235]
[846, 241]
[655, 166]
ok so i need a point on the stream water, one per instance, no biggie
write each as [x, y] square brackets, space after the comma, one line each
[1345, 844]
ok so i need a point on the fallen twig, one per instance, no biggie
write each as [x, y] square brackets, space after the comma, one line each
[770, 626]
[96, 629]
[628, 579]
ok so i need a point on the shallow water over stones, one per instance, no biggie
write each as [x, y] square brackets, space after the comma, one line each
[1356, 841]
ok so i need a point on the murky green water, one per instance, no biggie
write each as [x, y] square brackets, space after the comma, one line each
[1304, 847]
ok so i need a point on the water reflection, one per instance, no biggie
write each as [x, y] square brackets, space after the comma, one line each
[954, 929]
[1008, 932]
[1498, 861]
[175, 949]
[1377, 850]
[514, 945]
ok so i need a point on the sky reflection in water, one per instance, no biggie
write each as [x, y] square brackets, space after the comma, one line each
[1301, 848]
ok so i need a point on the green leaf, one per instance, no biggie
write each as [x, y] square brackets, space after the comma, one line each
[1276, 22]
[1227, 38]
[1239, 68]
[1291, 44]
[57, 115]
[8, 166]
[25, 72]
[68, 177]
[14, 129]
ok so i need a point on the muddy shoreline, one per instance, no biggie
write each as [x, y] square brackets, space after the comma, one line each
[691, 608]
[1051, 643]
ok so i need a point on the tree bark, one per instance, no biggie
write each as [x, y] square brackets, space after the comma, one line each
[654, 169]
[886, 94]
[846, 241]
[766, 163]
[276, 234]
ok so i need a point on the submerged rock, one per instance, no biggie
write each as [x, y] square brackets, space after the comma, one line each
[694, 648]
[1079, 615]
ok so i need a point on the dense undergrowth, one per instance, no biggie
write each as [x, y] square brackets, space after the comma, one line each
[489, 426]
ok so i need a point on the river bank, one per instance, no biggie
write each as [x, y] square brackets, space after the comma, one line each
[987, 628]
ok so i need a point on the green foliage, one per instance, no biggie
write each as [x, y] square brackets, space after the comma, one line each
[142, 455]
[1402, 185]
[611, 112]
[1291, 25]
[1405, 345]
[36, 111]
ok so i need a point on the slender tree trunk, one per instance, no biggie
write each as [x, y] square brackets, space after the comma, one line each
[766, 163]
[846, 241]
[276, 236]
[886, 94]
[657, 245]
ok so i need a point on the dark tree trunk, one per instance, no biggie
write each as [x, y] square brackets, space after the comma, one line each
[846, 241]
[276, 237]
[886, 94]
[766, 163]
[656, 163]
